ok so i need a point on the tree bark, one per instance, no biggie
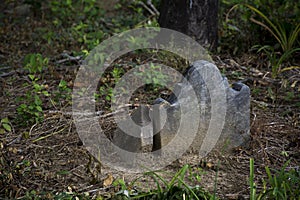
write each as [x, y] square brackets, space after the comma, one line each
[195, 18]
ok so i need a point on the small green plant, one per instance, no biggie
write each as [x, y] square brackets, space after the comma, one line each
[81, 19]
[31, 111]
[251, 180]
[62, 10]
[284, 33]
[35, 63]
[287, 40]
[63, 88]
[116, 73]
[238, 34]
[24, 167]
[62, 94]
[152, 75]
[105, 91]
[40, 195]
[125, 190]
[176, 188]
[89, 38]
[65, 10]
[277, 29]
[5, 125]
[281, 185]
[276, 59]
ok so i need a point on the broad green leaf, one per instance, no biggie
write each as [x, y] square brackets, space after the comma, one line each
[7, 127]
[31, 76]
[39, 108]
[5, 120]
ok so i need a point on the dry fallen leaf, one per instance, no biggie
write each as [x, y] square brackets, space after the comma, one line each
[108, 180]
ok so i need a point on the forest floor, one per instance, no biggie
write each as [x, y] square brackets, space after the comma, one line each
[48, 157]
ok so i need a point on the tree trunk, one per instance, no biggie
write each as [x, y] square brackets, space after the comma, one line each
[195, 18]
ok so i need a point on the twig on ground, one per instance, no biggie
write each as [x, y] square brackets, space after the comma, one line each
[49, 135]
[69, 58]
[6, 74]
[97, 113]
[149, 2]
[147, 8]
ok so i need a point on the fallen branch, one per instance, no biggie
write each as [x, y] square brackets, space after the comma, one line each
[97, 113]
[6, 74]
[149, 2]
[147, 8]
[69, 58]
[51, 134]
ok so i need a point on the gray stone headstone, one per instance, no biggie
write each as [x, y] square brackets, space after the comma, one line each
[166, 114]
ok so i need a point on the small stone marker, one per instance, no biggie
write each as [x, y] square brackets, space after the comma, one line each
[139, 135]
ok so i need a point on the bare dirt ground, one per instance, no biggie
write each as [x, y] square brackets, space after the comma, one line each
[49, 157]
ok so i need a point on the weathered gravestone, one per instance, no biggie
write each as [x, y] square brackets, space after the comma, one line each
[235, 110]
[232, 112]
